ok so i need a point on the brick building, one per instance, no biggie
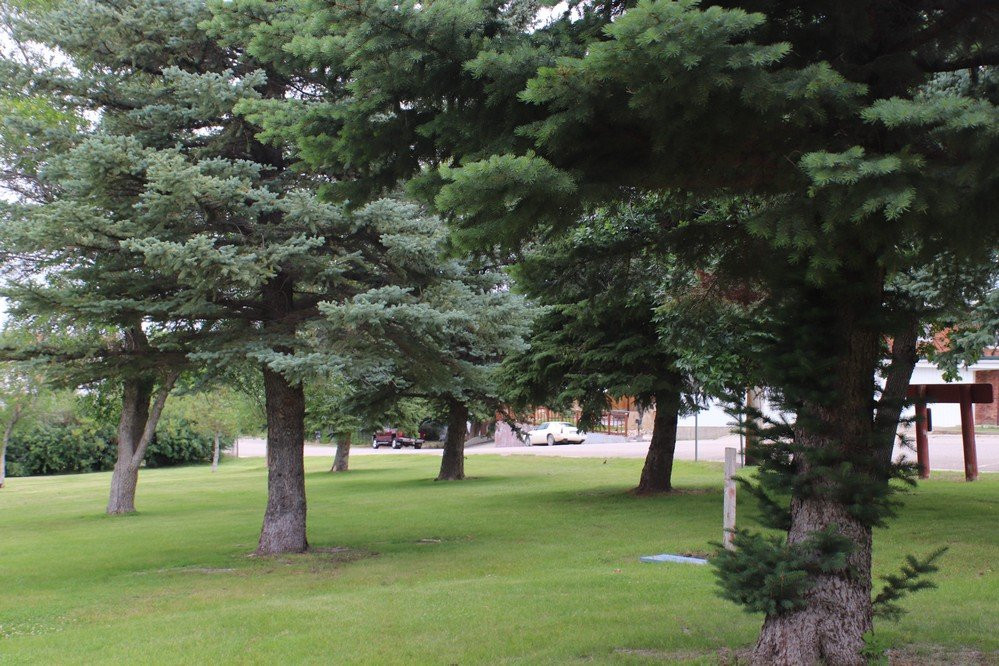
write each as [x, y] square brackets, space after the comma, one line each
[987, 372]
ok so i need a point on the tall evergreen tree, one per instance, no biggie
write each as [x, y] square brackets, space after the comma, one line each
[167, 216]
[440, 337]
[95, 312]
[870, 171]
[833, 112]
[617, 323]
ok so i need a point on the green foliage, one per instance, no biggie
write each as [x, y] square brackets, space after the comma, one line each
[769, 575]
[61, 449]
[504, 192]
[217, 409]
[82, 446]
[439, 336]
[621, 317]
[876, 649]
[179, 442]
[911, 578]
[328, 407]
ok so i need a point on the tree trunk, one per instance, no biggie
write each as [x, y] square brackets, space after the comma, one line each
[284, 521]
[753, 402]
[831, 627]
[7, 432]
[341, 461]
[136, 428]
[837, 613]
[131, 425]
[3, 454]
[658, 470]
[453, 460]
[215, 454]
[893, 396]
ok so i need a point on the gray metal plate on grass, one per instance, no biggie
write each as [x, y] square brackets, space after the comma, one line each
[666, 557]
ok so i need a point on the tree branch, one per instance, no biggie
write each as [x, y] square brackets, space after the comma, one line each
[154, 418]
[943, 65]
[892, 400]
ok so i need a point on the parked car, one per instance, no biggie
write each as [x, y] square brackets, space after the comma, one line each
[432, 431]
[394, 438]
[553, 432]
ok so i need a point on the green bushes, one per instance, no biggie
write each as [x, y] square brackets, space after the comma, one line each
[61, 448]
[177, 443]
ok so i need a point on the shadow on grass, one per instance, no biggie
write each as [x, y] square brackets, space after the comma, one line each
[428, 482]
[349, 475]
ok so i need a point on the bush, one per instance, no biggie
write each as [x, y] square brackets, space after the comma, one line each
[88, 447]
[61, 449]
[178, 443]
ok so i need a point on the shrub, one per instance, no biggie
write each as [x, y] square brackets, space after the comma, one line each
[178, 443]
[61, 449]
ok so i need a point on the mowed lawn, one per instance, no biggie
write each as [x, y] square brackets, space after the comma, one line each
[534, 560]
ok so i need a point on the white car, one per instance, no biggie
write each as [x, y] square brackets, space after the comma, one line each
[553, 432]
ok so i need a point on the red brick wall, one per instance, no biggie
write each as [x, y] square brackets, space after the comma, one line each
[988, 414]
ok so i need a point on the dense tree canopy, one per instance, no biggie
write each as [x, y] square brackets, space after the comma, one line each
[219, 183]
[624, 319]
[832, 114]
[163, 216]
[441, 338]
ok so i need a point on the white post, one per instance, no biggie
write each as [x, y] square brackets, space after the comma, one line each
[728, 521]
[695, 435]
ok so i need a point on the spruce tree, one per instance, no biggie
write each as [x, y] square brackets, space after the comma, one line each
[439, 337]
[166, 218]
[867, 129]
[94, 312]
[622, 318]
[870, 172]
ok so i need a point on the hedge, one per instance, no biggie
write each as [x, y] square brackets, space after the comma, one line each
[86, 447]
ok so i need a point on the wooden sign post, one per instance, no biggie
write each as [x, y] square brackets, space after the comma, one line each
[963, 394]
[728, 520]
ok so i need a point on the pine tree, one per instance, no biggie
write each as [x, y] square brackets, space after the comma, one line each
[846, 119]
[94, 311]
[870, 172]
[440, 337]
[167, 219]
[618, 318]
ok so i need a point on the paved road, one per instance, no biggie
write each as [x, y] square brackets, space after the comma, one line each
[946, 452]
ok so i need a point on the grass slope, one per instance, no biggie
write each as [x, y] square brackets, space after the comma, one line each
[535, 561]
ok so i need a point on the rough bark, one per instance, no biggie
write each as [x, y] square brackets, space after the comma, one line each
[658, 470]
[341, 461]
[215, 453]
[283, 530]
[830, 627]
[136, 428]
[132, 422]
[453, 460]
[838, 613]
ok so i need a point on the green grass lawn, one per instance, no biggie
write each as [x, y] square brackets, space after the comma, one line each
[533, 561]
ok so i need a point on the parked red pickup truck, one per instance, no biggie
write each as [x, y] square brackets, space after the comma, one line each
[395, 438]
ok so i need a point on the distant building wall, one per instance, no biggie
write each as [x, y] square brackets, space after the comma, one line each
[988, 414]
